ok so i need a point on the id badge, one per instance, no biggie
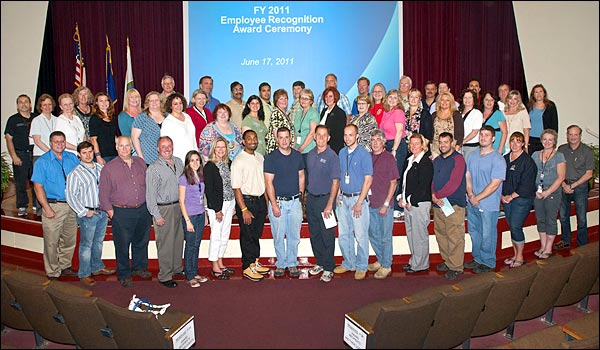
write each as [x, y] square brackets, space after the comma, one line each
[540, 188]
[347, 179]
[299, 140]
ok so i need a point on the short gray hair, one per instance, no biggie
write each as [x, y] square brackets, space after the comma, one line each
[378, 133]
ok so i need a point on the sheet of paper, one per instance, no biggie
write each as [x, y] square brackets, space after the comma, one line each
[331, 222]
[447, 207]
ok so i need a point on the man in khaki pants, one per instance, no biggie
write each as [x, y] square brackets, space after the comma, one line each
[58, 221]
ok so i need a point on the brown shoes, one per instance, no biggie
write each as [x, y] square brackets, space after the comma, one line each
[88, 281]
[104, 271]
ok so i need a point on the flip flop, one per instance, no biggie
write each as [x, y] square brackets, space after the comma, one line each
[538, 253]
[509, 261]
[544, 255]
[518, 263]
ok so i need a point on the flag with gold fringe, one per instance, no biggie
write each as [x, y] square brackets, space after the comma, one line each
[80, 76]
[110, 80]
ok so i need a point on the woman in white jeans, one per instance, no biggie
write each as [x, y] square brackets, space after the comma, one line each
[221, 205]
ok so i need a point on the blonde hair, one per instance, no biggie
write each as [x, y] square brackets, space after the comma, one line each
[212, 157]
[424, 141]
[131, 93]
[452, 104]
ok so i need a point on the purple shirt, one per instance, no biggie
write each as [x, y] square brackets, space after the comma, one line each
[194, 196]
[384, 172]
[121, 185]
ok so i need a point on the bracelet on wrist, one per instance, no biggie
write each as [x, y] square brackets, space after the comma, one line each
[97, 154]
[386, 204]
[244, 209]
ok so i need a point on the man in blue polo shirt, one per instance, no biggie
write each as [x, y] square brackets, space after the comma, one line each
[353, 213]
[323, 168]
[59, 222]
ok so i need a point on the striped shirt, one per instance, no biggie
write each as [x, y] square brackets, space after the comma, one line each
[82, 188]
[162, 184]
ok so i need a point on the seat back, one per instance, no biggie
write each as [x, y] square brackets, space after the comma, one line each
[388, 320]
[583, 276]
[456, 316]
[508, 293]
[133, 330]
[12, 312]
[549, 281]
[83, 318]
[30, 291]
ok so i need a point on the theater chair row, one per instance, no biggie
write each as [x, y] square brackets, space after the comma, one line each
[64, 313]
[443, 317]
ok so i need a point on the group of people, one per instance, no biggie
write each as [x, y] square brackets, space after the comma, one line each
[389, 154]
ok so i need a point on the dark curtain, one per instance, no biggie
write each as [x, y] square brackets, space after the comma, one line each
[46, 83]
[456, 41]
[155, 31]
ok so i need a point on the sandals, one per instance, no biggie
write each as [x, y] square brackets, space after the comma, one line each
[227, 270]
[193, 283]
[200, 279]
[544, 255]
[509, 261]
[538, 252]
[517, 263]
[220, 275]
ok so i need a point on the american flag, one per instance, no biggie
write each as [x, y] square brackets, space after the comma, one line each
[80, 79]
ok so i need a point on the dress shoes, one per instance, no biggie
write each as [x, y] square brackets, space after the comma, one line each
[126, 283]
[104, 271]
[169, 283]
[406, 267]
[411, 271]
[69, 272]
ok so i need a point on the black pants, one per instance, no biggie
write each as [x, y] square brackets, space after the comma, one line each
[250, 234]
[22, 174]
[322, 240]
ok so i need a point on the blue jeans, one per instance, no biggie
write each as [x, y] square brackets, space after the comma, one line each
[91, 238]
[516, 212]
[483, 229]
[350, 228]
[380, 235]
[192, 245]
[286, 232]
[580, 198]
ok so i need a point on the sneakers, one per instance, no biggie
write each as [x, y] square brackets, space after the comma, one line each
[261, 269]
[22, 211]
[382, 273]
[471, 264]
[103, 271]
[360, 274]
[143, 274]
[340, 269]
[374, 266]
[397, 214]
[294, 272]
[279, 272]
[317, 269]
[251, 273]
[451, 274]
[482, 269]
[562, 245]
[442, 267]
[88, 281]
[327, 276]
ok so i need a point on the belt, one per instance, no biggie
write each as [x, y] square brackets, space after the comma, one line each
[53, 200]
[351, 194]
[319, 195]
[252, 198]
[127, 207]
[23, 151]
[283, 198]
[169, 203]
[91, 208]
[474, 144]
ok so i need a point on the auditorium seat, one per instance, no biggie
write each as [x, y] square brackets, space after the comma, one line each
[12, 311]
[582, 278]
[82, 317]
[584, 327]
[553, 273]
[397, 323]
[30, 291]
[141, 330]
[459, 309]
[509, 289]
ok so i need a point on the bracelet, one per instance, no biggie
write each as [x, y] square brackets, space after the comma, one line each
[97, 154]
[188, 219]
[244, 209]
[386, 204]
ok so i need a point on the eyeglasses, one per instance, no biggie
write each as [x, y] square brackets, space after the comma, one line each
[361, 103]
[305, 98]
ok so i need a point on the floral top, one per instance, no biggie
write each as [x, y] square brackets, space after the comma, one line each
[278, 120]
[366, 124]
[211, 132]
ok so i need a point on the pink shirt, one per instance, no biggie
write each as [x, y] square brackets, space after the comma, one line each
[388, 123]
